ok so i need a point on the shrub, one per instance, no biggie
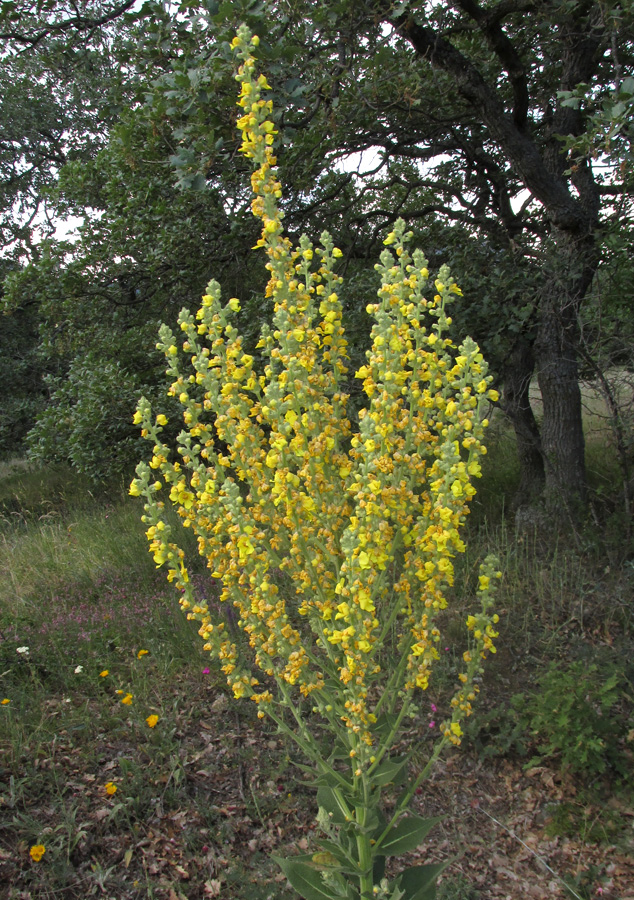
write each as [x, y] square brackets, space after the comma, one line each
[574, 717]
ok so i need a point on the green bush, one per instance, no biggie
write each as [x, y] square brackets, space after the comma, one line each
[576, 716]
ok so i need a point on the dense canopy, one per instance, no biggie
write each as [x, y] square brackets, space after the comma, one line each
[500, 131]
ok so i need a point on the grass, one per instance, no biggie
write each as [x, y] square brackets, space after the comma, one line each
[206, 795]
[86, 623]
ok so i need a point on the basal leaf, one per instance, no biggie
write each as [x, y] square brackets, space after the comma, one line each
[307, 881]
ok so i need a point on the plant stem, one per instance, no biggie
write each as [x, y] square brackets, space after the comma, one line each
[364, 849]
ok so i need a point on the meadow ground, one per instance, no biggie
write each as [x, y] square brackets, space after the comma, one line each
[123, 755]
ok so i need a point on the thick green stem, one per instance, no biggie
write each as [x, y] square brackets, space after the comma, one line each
[364, 848]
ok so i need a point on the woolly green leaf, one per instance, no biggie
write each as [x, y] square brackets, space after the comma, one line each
[308, 882]
[407, 835]
[419, 882]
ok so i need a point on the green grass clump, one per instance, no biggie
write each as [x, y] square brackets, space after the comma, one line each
[105, 685]
[32, 492]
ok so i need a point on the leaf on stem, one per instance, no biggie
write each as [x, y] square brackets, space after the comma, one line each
[419, 882]
[391, 771]
[407, 835]
[337, 808]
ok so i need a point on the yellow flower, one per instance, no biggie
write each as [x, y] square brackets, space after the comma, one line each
[104, 674]
[5, 701]
[111, 788]
[142, 653]
[284, 436]
[37, 851]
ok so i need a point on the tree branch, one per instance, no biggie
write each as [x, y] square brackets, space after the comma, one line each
[489, 24]
[522, 152]
[77, 22]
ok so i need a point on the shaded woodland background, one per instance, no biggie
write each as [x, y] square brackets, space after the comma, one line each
[502, 132]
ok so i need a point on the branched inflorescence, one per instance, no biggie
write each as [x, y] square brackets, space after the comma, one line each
[334, 544]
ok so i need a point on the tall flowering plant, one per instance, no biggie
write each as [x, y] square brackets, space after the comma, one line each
[333, 543]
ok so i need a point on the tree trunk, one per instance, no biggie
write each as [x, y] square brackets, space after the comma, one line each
[568, 277]
[516, 405]
[562, 429]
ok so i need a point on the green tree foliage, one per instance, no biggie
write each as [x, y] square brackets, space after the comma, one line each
[139, 256]
[475, 117]
[477, 122]
[20, 374]
[63, 81]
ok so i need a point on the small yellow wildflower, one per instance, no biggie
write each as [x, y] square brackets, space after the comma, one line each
[127, 700]
[104, 673]
[152, 720]
[110, 787]
[5, 701]
[142, 653]
[37, 851]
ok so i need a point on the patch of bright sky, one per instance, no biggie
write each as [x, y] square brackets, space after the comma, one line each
[365, 163]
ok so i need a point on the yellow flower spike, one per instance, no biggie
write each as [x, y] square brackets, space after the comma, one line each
[333, 543]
